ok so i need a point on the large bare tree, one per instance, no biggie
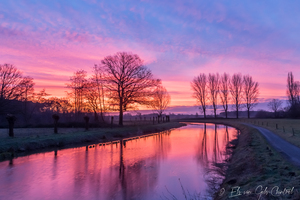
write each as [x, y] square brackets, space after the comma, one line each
[275, 105]
[161, 100]
[213, 87]
[251, 92]
[128, 81]
[224, 91]
[199, 86]
[236, 86]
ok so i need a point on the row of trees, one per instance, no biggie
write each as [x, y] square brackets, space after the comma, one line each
[237, 90]
[120, 83]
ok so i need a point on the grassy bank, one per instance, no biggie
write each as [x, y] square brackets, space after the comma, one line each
[255, 167]
[12, 147]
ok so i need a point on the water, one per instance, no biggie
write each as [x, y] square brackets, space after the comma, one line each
[161, 166]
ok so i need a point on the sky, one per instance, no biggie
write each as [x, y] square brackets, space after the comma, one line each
[178, 40]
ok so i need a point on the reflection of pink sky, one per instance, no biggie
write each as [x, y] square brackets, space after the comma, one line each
[149, 163]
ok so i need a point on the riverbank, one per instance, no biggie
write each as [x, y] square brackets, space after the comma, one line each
[255, 167]
[14, 147]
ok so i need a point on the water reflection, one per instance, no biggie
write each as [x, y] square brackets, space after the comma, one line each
[140, 168]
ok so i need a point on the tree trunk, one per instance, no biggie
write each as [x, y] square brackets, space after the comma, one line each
[248, 113]
[226, 113]
[121, 113]
[237, 112]
[204, 113]
[215, 113]
[96, 116]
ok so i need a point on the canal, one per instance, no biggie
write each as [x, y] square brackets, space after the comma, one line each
[166, 165]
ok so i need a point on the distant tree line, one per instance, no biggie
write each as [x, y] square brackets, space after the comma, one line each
[238, 90]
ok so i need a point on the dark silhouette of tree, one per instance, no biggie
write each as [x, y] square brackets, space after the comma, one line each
[128, 81]
[213, 87]
[199, 86]
[224, 91]
[293, 93]
[10, 85]
[251, 92]
[236, 86]
[78, 86]
[92, 96]
[58, 105]
[161, 100]
[27, 86]
[98, 79]
[275, 106]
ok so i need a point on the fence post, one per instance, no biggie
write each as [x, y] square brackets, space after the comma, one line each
[111, 122]
[11, 121]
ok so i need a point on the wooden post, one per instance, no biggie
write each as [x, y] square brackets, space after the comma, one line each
[112, 122]
[56, 118]
[293, 132]
[11, 122]
[153, 120]
[86, 119]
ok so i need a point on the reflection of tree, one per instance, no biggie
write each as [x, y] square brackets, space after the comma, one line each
[202, 149]
[134, 177]
[216, 146]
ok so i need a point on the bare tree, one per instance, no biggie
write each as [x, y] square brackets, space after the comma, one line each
[27, 86]
[78, 85]
[92, 97]
[251, 92]
[10, 85]
[236, 86]
[161, 100]
[199, 86]
[128, 81]
[293, 93]
[292, 90]
[213, 87]
[224, 91]
[98, 79]
[275, 105]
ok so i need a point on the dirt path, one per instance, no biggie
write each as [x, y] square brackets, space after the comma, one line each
[290, 151]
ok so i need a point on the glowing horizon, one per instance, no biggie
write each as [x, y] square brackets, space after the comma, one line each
[49, 41]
